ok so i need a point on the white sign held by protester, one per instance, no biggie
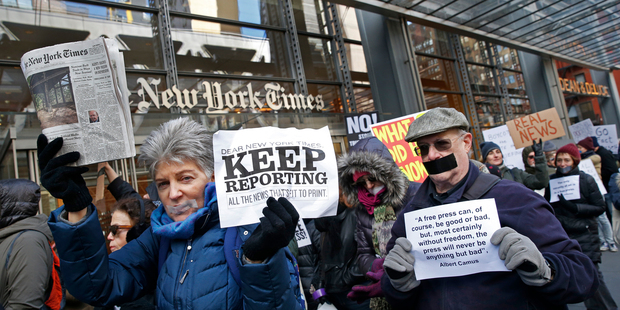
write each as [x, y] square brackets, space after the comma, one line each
[454, 239]
[501, 136]
[581, 130]
[607, 137]
[587, 166]
[301, 234]
[252, 165]
[567, 186]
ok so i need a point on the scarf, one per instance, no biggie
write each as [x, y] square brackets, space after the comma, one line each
[369, 200]
[164, 226]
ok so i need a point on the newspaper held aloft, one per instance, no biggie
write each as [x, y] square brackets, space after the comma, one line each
[80, 93]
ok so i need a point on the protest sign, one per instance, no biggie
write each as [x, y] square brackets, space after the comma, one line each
[545, 125]
[301, 234]
[567, 186]
[252, 165]
[358, 126]
[581, 130]
[392, 133]
[587, 166]
[454, 239]
[607, 137]
[501, 136]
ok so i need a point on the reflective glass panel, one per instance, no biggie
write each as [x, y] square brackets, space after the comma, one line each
[363, 100]
[141, 87]
[489, 111]
[514, 83]
[224, 49]
[481, 79]
[357, 63]
[24, 29]
[429, 41]
[310, 16]
[437, 74]
[263, 12]
[475, 50]
[550, 15]
[520, 107]
[348, 21]
[317, 57]
[436, 100]
[15, 92]
[509, 58]
[330, 96]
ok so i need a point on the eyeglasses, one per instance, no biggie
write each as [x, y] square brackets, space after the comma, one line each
[440, 145]
[114, 228]
[362, 181]
[531, 156]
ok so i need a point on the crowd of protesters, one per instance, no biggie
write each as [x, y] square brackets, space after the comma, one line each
[170, 251]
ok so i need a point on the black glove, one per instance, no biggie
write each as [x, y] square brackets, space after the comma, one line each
[537, 147]
[569, 205]
[275, 231]
[61, 181]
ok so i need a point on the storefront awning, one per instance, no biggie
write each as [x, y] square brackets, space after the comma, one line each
[583, 32]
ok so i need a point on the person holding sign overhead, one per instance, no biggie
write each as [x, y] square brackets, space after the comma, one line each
[578, 217]
[535, 177]
[182, 256]
[548, 268]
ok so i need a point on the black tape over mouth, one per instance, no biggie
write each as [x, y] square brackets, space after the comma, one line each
[441, 165]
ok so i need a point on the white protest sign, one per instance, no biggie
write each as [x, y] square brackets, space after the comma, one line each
[567, 186]
[607, 137]
[501, 136]
[587, 166]
[581, 130]
[301, 235]
[252, 165]
[454, 239]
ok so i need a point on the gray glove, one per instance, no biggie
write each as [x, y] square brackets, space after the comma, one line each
[401, 260]
[520, 253]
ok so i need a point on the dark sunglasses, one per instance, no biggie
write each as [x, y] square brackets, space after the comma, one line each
[362, 181]
[440, 145]
[531, 156]
[114, 228]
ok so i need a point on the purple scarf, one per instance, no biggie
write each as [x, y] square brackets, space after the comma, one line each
[369, 200]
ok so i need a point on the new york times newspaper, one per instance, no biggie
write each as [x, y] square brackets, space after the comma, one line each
[79, 90]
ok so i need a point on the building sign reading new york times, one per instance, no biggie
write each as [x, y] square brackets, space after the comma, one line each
[216, 99]
[252, 165]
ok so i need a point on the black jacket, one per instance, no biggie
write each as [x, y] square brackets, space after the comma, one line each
[582, 226]
[608, 165]
[308, 260]
[338, 268]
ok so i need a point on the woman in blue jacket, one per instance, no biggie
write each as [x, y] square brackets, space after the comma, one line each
[182, 254]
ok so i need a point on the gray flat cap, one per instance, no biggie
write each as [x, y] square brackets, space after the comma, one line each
[435, 121]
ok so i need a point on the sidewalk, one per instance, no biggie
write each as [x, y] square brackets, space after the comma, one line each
[611, 273]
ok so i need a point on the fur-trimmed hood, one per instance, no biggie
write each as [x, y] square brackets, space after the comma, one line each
[372, 156]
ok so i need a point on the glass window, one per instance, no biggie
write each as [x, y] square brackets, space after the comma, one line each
[348, 21]
[515, 84]
[357, 63]
[478, 50]
[69, 21]
[15, 92]
[363, 100]
[7, 168]
[141, 87]
[437, 74]
[429, 41]
[309, 16]
[486, 84]
[330, 96]
[217, 48]
[435, 100]
[520, 106]
[263, 12]
[489, 111]
[317, 57]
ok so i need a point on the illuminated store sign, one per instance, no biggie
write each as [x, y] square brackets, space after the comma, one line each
[274, 98]
[572, 86]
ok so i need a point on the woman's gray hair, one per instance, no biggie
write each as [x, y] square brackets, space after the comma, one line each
[178, 141]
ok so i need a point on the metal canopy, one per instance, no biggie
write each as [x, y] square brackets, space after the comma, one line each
[584, 32]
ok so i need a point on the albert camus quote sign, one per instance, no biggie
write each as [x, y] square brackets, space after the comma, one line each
[252, 165]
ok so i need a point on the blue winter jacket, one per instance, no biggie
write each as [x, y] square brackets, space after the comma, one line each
[195, 273]
[528, 213]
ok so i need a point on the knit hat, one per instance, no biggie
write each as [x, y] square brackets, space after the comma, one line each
[359, 174]
[435, 121]
[548, 146]
[487, 147]
[572, 150]
[595, 141]
[587, 143]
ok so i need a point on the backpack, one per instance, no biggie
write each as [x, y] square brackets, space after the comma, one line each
[233, 239]
[54, 297]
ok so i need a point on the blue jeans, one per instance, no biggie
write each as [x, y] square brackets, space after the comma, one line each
[604, 229]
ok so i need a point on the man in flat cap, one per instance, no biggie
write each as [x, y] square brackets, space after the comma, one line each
[547, 269]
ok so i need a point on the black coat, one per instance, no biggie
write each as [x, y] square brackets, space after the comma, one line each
[608, 165]
[582, 226]
[338, 268]
[308, 260]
